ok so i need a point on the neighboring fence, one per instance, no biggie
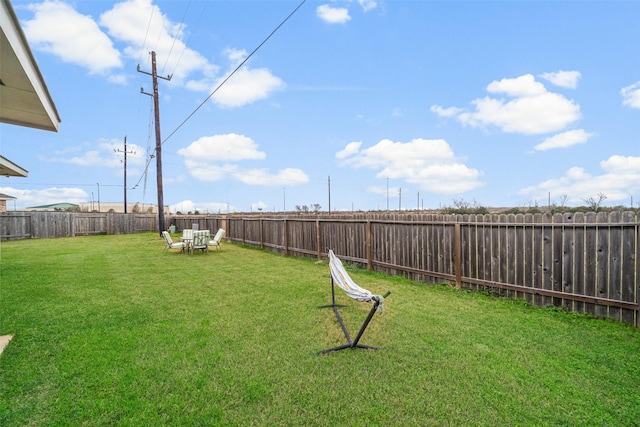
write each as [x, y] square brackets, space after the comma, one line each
[37, 224]
[586, 263]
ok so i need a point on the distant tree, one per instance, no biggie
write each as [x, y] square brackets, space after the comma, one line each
[595, 203]
[316, 207]
[563, 200]
[136, 208]
[461, 206]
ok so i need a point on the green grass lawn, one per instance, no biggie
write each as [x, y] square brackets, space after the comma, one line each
[110, 330]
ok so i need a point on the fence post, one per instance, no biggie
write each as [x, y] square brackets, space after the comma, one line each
[261, 234]
[285, 239]
[244, 232]
[369, 245]
[457, 247]
[318, 239]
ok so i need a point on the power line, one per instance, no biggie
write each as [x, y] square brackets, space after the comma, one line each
[166, 61]
[153, 8]
[193, 30]
[234, 71]
[219, 86]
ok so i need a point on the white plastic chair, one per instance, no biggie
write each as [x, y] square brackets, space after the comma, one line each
[217, 239]
[171, 244]
[200, 240]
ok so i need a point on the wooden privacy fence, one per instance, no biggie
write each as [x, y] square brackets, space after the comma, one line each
[586, 263]
[38, 224]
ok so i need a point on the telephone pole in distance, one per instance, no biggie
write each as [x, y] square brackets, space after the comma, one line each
[125, 170]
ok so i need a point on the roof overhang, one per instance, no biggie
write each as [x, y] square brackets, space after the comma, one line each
[24, 97]
[8, 168]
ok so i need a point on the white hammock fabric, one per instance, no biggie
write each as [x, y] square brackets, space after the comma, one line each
[342, 279]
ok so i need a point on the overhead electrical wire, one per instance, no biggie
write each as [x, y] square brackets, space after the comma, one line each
[177, 33]
[234, 71]
[293, 12]
[146, 34]
[188, 38]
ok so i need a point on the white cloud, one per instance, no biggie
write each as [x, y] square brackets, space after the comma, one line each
[564, 140]
[368, 5]
[211, 158]
[429, 164]
[47, 196]
[58, 29]
[620, 179]
[222, 148]
[446, 112]
[81, 41]
[246, 86]
[259, 206]
[130, 22]
[522, 86]
[333, 15]
[533, 110]
[264, 177]
[566, 79]
[211, 207]
[351, 149]
[631, 95]
[103, 153]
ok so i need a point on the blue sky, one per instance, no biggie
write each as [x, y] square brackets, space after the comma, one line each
[403, 104]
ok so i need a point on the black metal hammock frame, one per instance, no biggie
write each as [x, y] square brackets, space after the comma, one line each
[354, 291]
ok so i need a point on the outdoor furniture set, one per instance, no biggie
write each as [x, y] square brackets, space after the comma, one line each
[193, 240]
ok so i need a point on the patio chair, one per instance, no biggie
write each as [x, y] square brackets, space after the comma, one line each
[340, 277]
[217, 238]
[171, 244]
[187, 234]
[200, 240]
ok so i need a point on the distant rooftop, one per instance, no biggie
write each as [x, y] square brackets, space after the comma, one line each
[52, 207]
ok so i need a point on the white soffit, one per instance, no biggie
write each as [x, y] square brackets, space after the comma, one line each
[8, 168]
[24, 97]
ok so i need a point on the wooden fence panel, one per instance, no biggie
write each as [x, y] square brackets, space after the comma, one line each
[557, 236]
[579, 261]
[507, 252]
[590, 261]
[15, 225]
[602, 262]
[614, 288]
[630, 286]
[85, 225]
[567, 260]
[473, 252]
[547, 258]
[518, 253]
[302, 237]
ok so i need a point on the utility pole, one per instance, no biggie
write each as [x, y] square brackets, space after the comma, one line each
[125, 170]
[400, 198]
[156, 105]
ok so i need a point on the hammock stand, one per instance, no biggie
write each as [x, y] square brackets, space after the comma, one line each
[339, 275]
